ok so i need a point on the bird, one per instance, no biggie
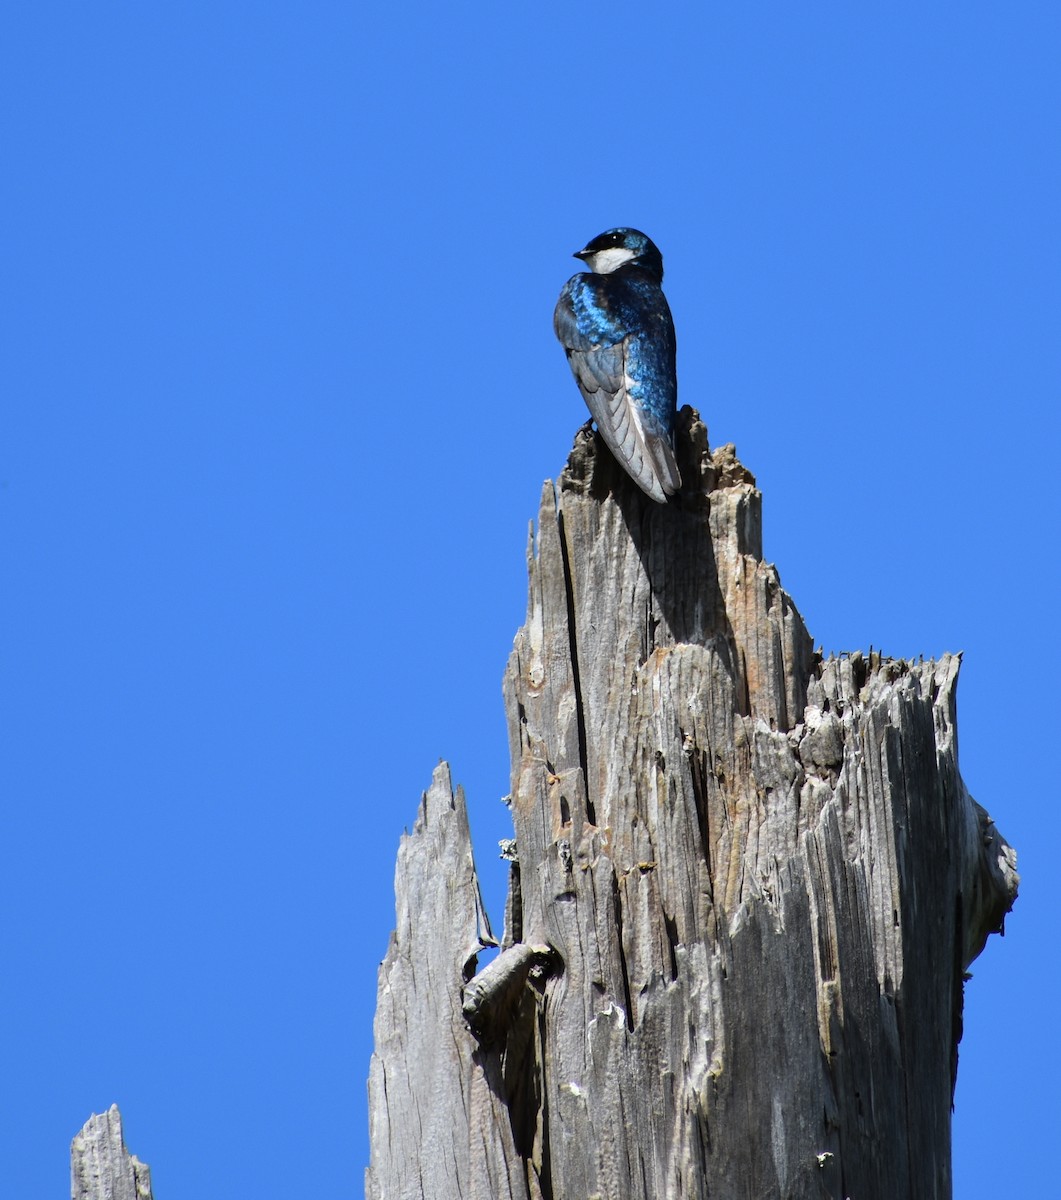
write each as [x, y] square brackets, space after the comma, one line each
[616, 327]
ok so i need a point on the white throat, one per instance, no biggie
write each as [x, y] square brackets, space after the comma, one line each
[606, 261]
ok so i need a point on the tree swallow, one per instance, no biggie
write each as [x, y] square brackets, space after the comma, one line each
[615, 324]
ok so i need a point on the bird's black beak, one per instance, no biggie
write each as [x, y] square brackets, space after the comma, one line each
[583, 254]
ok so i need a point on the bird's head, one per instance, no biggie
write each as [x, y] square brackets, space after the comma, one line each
[616, 247]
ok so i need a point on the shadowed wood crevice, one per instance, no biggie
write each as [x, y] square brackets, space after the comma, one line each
[579, 707]
[758, 877]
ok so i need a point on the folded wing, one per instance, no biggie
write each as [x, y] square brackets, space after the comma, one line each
[626, 383]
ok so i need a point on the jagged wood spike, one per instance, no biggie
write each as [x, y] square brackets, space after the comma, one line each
[101, 1168]
[438, 1127]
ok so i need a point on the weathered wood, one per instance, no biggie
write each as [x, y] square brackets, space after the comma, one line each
[761, 875]
[100, 1166]
[438, 1126]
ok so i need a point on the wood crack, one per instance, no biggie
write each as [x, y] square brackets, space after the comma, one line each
[576, 680]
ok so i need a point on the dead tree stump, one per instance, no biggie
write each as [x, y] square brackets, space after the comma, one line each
[746, 885]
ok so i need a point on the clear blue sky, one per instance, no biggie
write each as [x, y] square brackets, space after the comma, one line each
[280, 392]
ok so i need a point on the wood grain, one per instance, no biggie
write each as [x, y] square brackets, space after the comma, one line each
[748, 883]
[101, 1168]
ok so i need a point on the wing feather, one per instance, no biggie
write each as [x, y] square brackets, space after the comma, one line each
[643, 450]
[609, 369]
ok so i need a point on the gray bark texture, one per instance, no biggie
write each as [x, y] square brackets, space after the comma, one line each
[100, 1166]
[745, 888]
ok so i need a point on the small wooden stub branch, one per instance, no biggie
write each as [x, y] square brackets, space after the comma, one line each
[746, 885]
[491, 1000]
